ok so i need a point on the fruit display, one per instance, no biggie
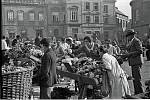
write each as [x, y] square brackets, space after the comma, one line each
[90, 68]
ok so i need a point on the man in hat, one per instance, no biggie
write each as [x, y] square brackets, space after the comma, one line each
[47, 70]
[135, 59]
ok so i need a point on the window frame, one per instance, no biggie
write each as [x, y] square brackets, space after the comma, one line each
[75, 30]
[55, 18]
[95, 6]
[10, 16]
[105, 21]
[39, 18]
[96, 21]
[87, 6]
[74, 14]
[22, 16]
[88, 18]
[105, 9]
[33, 17]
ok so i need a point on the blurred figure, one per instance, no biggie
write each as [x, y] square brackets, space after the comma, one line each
[96, 40]
[58, 50]
[148, 49]
[111, 49]
[8, 41]
[64, 45]
[4, 44]
[37, 40]
[70, 42]
[16, 40]
[114, 43]
[4, 49]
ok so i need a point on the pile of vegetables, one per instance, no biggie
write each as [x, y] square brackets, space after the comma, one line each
[21, 65]
[83, 66]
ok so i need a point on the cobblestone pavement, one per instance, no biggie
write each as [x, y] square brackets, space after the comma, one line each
[145, 73]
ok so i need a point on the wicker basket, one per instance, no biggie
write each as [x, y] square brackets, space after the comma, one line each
[17, 85]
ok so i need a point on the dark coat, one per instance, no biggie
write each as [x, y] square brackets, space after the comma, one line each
[135, 52]
[48, 69]
[14, 42]
[37, 41]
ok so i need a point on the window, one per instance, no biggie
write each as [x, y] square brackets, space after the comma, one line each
[10, 15]
[20, 15]
[88, 32]
[96, 19]
[105, 8]
[87, 6]
[31, 16]
[88, 19]
[95, 6]
[105, 20]
[74, 30]
[56, 32]
[137, 15]
[41, 17]
[55, 18]
[74, 14]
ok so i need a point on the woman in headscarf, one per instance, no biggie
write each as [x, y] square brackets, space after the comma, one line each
[119, 86]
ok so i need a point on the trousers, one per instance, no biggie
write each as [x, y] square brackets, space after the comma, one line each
[148, 54]
[137, 79]
[45, 92]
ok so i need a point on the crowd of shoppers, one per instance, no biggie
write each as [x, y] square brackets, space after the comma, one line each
[107, 51]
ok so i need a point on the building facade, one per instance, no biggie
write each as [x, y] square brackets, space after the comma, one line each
[56, 18]
[141, 17]
[109, 19]
[92, 18]
[73, 18]
[24, 17]
[121, 26]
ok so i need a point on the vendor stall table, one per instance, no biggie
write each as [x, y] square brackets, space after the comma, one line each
[83, 81]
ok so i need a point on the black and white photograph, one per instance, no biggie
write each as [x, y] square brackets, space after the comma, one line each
[75, 49]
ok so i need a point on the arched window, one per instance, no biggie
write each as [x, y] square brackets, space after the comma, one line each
[20, 15]
[10, 15]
